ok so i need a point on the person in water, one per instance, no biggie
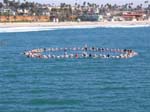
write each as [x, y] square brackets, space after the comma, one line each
[76, 56]
[108, 55]
[85, 48]
[44, 49]
[93, 48]
[90, 55]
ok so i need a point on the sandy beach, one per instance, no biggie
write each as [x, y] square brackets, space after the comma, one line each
[52, 24]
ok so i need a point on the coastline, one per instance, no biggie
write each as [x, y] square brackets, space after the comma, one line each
[65, 24]
[46, 26]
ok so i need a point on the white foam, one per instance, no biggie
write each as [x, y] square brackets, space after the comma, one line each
[23, 29]
[31, 29]
[127, 26]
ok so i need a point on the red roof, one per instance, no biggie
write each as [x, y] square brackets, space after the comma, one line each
[132, 15]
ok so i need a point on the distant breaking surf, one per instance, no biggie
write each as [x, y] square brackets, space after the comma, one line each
[46, 28]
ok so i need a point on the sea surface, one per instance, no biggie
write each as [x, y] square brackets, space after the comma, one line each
[75, 85]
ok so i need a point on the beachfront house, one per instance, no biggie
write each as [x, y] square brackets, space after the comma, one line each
[133, 16]
[91, 17]
[7, 11]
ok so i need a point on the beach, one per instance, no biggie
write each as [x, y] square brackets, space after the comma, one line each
[69, 24]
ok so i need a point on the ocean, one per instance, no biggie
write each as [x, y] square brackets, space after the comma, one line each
[75, 85]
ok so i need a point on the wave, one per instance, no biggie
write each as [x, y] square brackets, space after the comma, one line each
[23, 29]
[44, 28]
[127, 26]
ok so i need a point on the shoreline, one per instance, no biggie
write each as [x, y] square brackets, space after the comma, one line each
[46, 26]
[69, 24]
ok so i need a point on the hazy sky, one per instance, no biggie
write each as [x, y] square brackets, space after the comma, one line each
[92, 1]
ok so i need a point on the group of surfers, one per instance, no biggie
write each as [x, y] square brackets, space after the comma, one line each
[93, 53]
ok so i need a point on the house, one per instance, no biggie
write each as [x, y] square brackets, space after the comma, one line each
[132, 16]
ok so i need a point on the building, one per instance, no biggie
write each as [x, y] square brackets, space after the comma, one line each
[133, 16]
[90, 17]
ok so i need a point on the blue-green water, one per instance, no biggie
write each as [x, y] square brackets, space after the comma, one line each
[75, 85]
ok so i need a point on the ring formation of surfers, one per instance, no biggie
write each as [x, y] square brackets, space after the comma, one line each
[80, 52]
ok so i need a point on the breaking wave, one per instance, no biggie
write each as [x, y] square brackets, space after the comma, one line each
[44, 28]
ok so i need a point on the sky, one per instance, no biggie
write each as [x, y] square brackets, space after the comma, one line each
[91, 1]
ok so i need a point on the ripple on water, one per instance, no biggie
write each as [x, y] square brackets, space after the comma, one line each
[72, 85]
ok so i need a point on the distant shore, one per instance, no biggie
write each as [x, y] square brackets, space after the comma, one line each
[61, 24]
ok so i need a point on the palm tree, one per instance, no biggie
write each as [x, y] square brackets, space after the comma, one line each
[146, 2]
[141, 5]
[89, 4]
[6, 1]
[1, 4]
[84, 3]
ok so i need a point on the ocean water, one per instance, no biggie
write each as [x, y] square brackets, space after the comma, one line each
[75, 85]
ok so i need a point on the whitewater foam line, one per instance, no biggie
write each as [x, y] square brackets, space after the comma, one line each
[23, 29]
[45, 28]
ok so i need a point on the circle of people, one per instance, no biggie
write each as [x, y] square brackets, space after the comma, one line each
[85, 52]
